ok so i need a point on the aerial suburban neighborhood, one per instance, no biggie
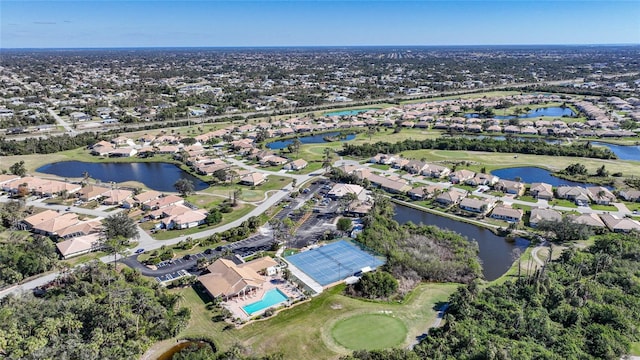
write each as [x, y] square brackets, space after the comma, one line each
[340, 202]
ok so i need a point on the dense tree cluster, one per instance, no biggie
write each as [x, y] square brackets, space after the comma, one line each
[23, 255]
[510, 145]
[52, 144]
[374, 285]
[584, 305]
[207, 352]
[90, 313]
[419, 252]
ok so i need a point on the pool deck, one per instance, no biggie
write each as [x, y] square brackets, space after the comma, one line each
[236, 304]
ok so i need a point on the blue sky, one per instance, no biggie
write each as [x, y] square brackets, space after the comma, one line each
[94, 23]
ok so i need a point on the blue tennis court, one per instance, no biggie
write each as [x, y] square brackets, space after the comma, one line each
[333, 262]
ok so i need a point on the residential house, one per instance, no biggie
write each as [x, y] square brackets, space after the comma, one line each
[589, 219]
[461, 176]
[298, 164]
[29, 222]
[480, 206]
[92, 192]
[482, 179]
[147, 196]
[620, 225]
[226, 279]
[415, 166]
[540, 214]
[118, 197]
[435, 171]
[506, 213]
[253, 179]
[577, 194]
[541, 191]
[102, 148]
[510, 187]
[79, 245]
[385, 159]
[601, 195]
[630, 195]
[394, 185]
[423, 192]
[162, 202]
[52, 226]
[450, 197]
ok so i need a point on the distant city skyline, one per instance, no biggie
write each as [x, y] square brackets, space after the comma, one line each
[120, 24]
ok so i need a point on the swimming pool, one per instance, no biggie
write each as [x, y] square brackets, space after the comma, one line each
[270, 298]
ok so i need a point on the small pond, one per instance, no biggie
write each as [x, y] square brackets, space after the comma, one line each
[530, 174]
[496, 254]
[347, 112]
[554, 111]
[311, 139]
[155, 175]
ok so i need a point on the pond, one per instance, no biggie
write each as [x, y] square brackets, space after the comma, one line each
[311, 139]
[496, 254]
[553, 111]
[347, 112]
[623, 152]
[155, 175]
[530, 174]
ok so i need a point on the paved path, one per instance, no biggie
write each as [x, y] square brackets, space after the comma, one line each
[436, 323]
[61, 122]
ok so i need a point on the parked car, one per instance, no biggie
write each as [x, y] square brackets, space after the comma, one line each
[139, 251]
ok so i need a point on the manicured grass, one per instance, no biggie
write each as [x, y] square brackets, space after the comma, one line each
[564, 203]
[257, 193]
[465, 96]
[635, 348]
[603, 207]
[632, 205]
[304, 331]
[528, 198]
[204, 201]
[524, 208]
[380, 166]
[369, 332]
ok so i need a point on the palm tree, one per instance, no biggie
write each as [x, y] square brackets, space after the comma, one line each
[327, 159]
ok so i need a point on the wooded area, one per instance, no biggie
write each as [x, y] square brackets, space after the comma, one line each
[93, 312]
[509, 145]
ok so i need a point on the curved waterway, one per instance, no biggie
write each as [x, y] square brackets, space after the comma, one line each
[496, 253]
[311, 139]
[155, 175]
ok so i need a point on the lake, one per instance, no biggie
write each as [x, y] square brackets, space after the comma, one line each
[623, 152]
[347, 112]
[496, 254]
[530, 174]
[311, 139]
[554, 111]
[155, 175]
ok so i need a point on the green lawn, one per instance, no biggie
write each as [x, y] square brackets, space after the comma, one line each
[380, 166]
[369, 332]
[635, 348]
[528, 198]
[564, 203]
[305, 331]
[603, 207]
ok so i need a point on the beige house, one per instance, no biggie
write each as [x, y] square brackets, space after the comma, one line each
[253, 179]
[507, 214]
[296, 165]
[541, 191]
[539, 214]
[227, 279]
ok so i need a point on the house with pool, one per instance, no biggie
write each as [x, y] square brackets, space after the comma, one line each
[247, 289]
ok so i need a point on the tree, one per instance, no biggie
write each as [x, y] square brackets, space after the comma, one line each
[295, 146]
[565, 229]
[375, 285]
[184, 186]
[602, 172]
[344, 224]
[371, 131]
[327, 158]
[236, 194]
[18, 169]
[214, 216]
[119, 226]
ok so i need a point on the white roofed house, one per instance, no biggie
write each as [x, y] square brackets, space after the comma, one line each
[506, 213]
[298, 164]
[482, 179]
[253, 179]
[118, 197]
[102, 148]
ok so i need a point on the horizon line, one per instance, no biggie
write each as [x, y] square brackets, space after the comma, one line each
[310, 46]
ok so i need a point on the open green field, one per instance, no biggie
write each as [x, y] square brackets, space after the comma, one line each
[635, 349]
[464, 96]
[250, 194]
[492, 161]
[305, 331]
[369, 332]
